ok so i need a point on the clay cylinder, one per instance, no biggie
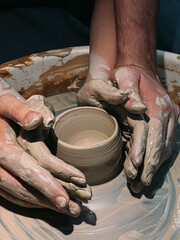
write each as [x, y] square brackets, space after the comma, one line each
[89, 139]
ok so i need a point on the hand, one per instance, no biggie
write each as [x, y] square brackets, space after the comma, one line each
[101, 93]
[25, 180]
[32, 142]
[146, 92]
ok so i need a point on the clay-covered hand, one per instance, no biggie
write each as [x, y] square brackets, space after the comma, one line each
[103, 94]
[24, 180]
[98, 92]
[133, 127]
[150, 100]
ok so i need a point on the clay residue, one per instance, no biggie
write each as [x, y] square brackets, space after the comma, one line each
[98, 67]
[27, 60]
[178, 57]
[4, 73]
[65, 78]
[167, 67]
[174, 81]
[175, 94]
[18, 63]
[58, 53]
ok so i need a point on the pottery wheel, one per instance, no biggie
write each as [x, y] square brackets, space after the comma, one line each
[112, 214]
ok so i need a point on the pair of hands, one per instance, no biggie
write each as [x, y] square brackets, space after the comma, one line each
[146, 114]
[30, 175]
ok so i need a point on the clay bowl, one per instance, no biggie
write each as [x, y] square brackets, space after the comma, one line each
[89, 139]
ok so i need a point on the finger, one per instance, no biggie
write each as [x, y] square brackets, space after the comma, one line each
[172, 124]
[11, 107]
[138, 145]
[25, 167]
[59, 168]
[96, 91]
[53, 164]
[22, 165]
[39, 104]
[170, 137]
[18, 201]
[121, 115]
[154, 148]
[14, 190]
[82, 194]
[139, 138]
[73, 210]
[129, 169]
[21, 191]
[160, 128]
[128, 79]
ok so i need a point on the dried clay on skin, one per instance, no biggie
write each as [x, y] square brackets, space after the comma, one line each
[98, 67]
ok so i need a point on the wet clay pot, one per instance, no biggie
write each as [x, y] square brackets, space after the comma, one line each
[89, 139]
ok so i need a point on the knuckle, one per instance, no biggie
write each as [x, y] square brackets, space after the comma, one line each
[28, 174]
[136, 158]
[154, 163]
[23, 193]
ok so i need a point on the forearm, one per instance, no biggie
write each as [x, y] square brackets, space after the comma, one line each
[136, 32]
[102, 40]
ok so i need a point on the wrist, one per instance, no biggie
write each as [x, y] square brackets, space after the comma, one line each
[139, 51]
[148, 62]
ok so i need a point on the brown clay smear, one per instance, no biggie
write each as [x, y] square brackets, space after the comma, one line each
[175, 94]
[60, 79]
[167, 67]
[26, 61]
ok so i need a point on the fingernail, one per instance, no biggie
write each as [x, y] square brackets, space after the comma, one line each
[78, 180]
[60, 202]
[84, 194]
[138, 107]
[32, 117]
[131, 173]
[74, 209]
[32, 120]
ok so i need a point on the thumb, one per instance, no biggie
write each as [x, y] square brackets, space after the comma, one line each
[13, 108]
[127, 78]
[40, 104]
[97, 91]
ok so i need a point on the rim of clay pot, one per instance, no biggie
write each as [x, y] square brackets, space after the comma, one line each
[96, 145]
